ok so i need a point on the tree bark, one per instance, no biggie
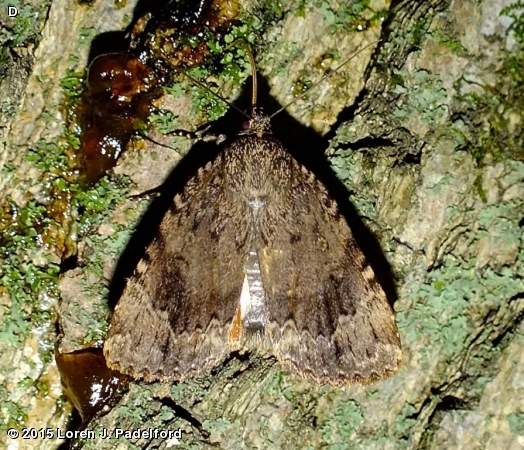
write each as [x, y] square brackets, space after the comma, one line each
[424, 130]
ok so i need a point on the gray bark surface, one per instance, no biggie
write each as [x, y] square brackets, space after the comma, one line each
[425, 132]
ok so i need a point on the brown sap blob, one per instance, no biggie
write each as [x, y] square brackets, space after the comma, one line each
[121, 86]
[115, 104]
[88, 383]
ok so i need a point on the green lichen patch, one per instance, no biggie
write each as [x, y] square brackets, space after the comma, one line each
[449, 303]
[516, 12]
[28, 272]
[499, 111]
[516, 423]
[343, 426]
[23, 28]
[84, 291]
[426, 98]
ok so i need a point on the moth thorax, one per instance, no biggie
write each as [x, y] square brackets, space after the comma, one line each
[257, 203]
[252, 298]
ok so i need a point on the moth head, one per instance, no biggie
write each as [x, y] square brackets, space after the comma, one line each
[259, 123]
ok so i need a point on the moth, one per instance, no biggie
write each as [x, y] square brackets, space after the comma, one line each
[254, 251]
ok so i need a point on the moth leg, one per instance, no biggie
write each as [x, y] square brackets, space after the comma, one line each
[200, 135]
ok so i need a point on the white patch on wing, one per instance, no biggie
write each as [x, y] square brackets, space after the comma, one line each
[245, 298]
[252, 298]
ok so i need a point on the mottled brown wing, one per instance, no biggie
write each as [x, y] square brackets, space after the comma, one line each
[173, 318]
[328, 317]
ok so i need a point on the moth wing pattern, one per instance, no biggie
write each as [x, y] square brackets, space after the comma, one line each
[327, 316]
[174, 316]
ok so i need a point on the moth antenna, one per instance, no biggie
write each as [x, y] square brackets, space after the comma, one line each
[253, 67]
[253, 76]
[327, 75]
[203, 86]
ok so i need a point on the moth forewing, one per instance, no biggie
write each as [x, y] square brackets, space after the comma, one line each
[328, 317]
[173, 318]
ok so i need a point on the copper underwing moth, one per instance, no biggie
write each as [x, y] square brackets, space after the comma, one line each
[254, 252]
